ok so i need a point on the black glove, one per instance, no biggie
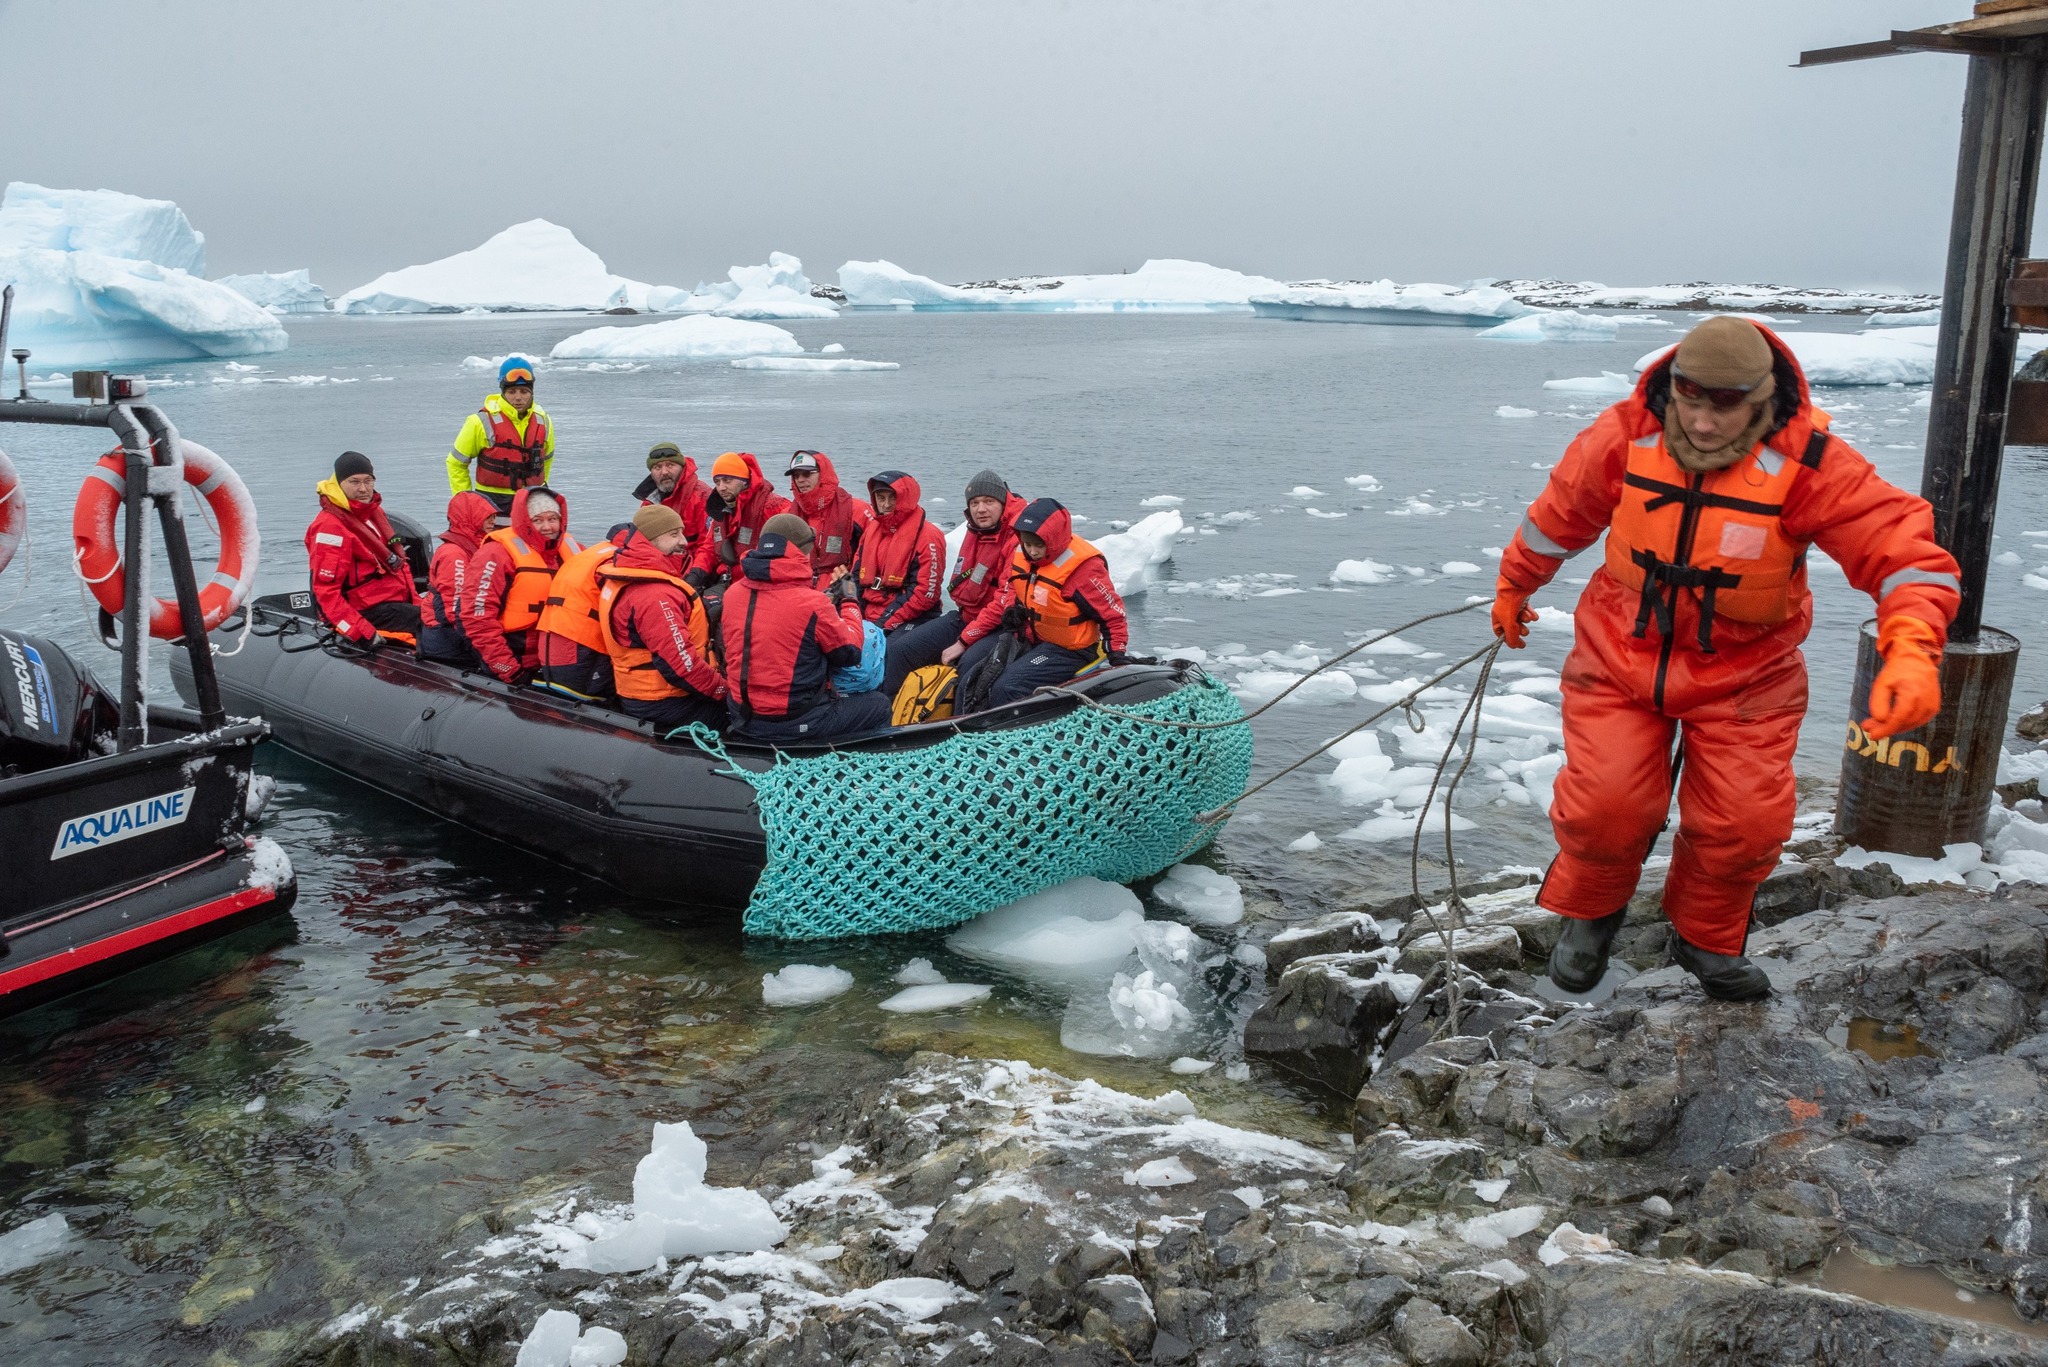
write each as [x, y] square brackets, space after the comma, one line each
[1016, 618]
[1118, 659]
[697, 576]
[846, 589]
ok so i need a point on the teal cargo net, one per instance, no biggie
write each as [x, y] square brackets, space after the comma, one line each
[880, 843]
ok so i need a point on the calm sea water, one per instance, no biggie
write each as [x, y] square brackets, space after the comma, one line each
[256, 1137]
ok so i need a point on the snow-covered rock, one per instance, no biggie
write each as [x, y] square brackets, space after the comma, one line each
[699, 337]
[279, 292]
[1383, 301]
[1555, 325]
[674, 1214]
[1161, 286]
[777, 290]
[101, 277]
[535, 266]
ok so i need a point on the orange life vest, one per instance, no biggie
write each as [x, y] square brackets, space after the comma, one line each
[572, 609]
[1041, 590]
[1717, 536]
[527, 595]
[634, 673]
[508, 461]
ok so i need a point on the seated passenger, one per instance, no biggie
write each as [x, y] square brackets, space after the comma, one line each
[470, 517]
[655, 628]
[360, 576]
[573, 658]
[976, 584]
[782, 640]
[837, 518]
[742, 500]
[902, 557]
[672, 480]
[509, 581]
[1061, 607]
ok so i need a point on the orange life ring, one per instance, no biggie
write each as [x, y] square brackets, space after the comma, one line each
[13, 511]
[97, 547]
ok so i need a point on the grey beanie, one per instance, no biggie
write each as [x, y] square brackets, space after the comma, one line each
[987, 484]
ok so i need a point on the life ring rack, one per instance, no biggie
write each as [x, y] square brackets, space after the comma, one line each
[96, 551]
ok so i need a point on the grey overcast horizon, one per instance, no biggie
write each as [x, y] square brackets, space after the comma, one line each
[1582, 139]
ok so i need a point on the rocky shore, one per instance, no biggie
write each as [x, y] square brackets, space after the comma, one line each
[1653, 1179]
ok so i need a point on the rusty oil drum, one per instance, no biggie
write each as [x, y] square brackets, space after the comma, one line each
[1916, 792]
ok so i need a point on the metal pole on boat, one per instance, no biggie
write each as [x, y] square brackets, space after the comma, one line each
[176, 548]
[134, 637]
[1930, 788]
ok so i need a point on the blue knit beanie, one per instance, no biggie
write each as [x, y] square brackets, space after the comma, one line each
[515, 370]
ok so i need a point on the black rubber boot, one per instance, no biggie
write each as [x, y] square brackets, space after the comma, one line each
[1580, 958]
[1725, 977]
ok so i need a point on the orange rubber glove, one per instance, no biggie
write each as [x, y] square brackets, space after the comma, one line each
[1907, 693]
[1512, 614]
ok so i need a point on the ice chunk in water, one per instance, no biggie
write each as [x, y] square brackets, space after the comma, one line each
[676, 1216]
[1307, 842]
[1084, 926]
[1362, 572]
[1131, 555]
[1555, 325]
[918, 973]
[1144, 1003]
[935, 997]
[32, 1242]
[1190, 1066]
[801, 984]
[1150, 1005]
[694, 337]
[1606, 383]
[1203, 895]
[1160, 1172]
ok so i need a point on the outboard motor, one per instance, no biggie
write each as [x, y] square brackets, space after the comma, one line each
[417, 545]
[52, 709]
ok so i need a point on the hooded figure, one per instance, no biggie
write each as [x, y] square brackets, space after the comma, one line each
[360, 576]
[509, 583]
[838, 519]
[444, 641]
[1061, 607]
[902, 557]
[574, 660]
[1710, 482]
[979, 581]
[735, 522]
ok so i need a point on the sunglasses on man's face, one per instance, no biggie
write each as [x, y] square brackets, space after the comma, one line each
[1720, 398]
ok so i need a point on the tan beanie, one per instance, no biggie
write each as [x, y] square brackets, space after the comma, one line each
[792, 529]
[655, 519]
[1725, 353]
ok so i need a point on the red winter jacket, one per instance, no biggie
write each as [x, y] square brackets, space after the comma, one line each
[468, 512]
[490, 577]
[838, 519]
[735, 530]
[782, 637]
[688, 499]
[355, 561]
[902, 558]
[981, 577]
[654, 616]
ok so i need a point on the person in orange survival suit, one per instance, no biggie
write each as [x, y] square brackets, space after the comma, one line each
[1711, 482]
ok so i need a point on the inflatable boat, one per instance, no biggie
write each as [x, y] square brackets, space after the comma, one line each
[914, 827]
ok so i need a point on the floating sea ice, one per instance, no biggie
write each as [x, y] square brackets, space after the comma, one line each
[1460, 567]
[1257, 685]
[1145, 1003]
[935, 997]
[1190, 1066]
[1362, 572]
[1303, 491]
[1318, 512]
[1508, 410]
[1201, 894]
[2007, 558]
[1083, 927]
[1391, 823]
[777, 290]
[1555, 325]
[695, 337]
[1162, 501]
[32, 1242]
[1365, 776]
[810, 365]
[831, 348]
[1417, 507]
[1552, 619]
[1151, 1002]
[1363, 483]
[675, 1215]
[1160, 1172]
[2035, 581]
[802, 984]
[1606, 382]
[918, 973]
[1310, 841]
[1131, 554]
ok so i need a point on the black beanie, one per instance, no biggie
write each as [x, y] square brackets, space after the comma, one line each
[987, 484]
[352, 463]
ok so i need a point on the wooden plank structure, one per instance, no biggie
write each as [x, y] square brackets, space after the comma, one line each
[1917, 793]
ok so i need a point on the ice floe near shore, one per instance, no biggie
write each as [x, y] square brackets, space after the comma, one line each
[1874, 356]
[1555, 325]
[102, 277]
[1589, 294]
[279, 291]
[1159, 286]
[695, 337]
[531, 267]
[1383, 301]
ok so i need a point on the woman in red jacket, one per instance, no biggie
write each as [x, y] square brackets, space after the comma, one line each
[978, 581]
[902, 557]
[1061, 606]
[471, 517]
[508, 587]
[360, 576]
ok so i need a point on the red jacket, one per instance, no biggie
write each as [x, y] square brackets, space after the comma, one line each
[981, 577]
[687, 498]
[490, 576]
[1087, 585]
[449, 571]
[782, 637]
[1880, 535]
[355, 561]
[650, 615]
[735, 530]
[838, 519]
[902, 558]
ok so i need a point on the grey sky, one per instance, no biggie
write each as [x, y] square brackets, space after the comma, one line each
[1621, 141]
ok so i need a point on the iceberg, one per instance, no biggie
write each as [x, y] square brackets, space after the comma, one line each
[101, 278]
[1383, 301]
[776, 290]
[697, 337]
[1712, 298]
[810, 365]
[280, 292]
[1555, 325]
[1160, 286]
[531, 267]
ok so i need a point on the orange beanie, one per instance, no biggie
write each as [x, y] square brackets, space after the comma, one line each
[731, 463]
